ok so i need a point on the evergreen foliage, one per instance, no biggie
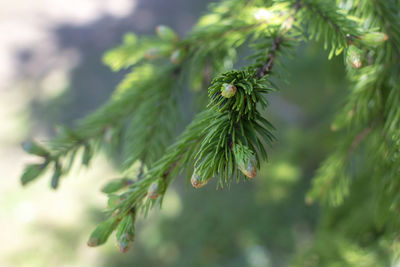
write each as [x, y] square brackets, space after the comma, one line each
[229, 136]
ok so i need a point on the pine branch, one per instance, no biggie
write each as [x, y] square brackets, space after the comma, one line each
[370, 85]
[325, 19]
[227, 140]
[195, 137]
[267, 67]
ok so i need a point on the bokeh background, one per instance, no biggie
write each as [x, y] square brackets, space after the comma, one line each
[51, 73]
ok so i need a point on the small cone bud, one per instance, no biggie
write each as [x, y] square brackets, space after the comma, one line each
[249, 168]
[114, 200]
[125, 242]
[154, 190]
[353, 58]
[177, 56]
[126, 232]
[197, 181]
[228, 90]
[153, 53]
[100, 235]
[374, 38]
[34, 148]
[93, 242]
[166, 33]
[245, 160]
[31, 172]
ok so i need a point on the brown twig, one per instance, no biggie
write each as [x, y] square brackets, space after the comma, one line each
[357, 140]
[269, 64]
[171, 167]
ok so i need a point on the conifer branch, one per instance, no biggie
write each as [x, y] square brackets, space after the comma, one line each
[324, 15]
[267, 67]
[227, 141]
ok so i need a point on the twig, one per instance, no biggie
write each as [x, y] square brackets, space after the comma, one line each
[360, 137]
[171, 167]
[267, 67]
[141, 169]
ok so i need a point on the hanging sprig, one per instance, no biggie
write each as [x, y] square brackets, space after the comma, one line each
[245, 160]
[237, 120]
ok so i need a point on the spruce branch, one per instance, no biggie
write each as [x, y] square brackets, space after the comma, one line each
[370, 84]
[267, 67]
[213, 157]
[227, 140]
[324, 20]
[237, 122]
[323, 13]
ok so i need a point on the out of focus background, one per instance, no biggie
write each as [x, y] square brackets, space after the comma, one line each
[51, 73]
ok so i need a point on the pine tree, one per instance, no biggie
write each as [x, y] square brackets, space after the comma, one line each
[229, 136]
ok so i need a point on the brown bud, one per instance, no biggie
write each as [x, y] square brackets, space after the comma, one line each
[354, 55]
[249, 169]
[197, 181]
[228, 90]
[153, 53]
[114, 200]
[166, 33]
[177, 56]
[100, 235]
[245, 160]
[126, 232]
[154, 190]
[374, 38]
